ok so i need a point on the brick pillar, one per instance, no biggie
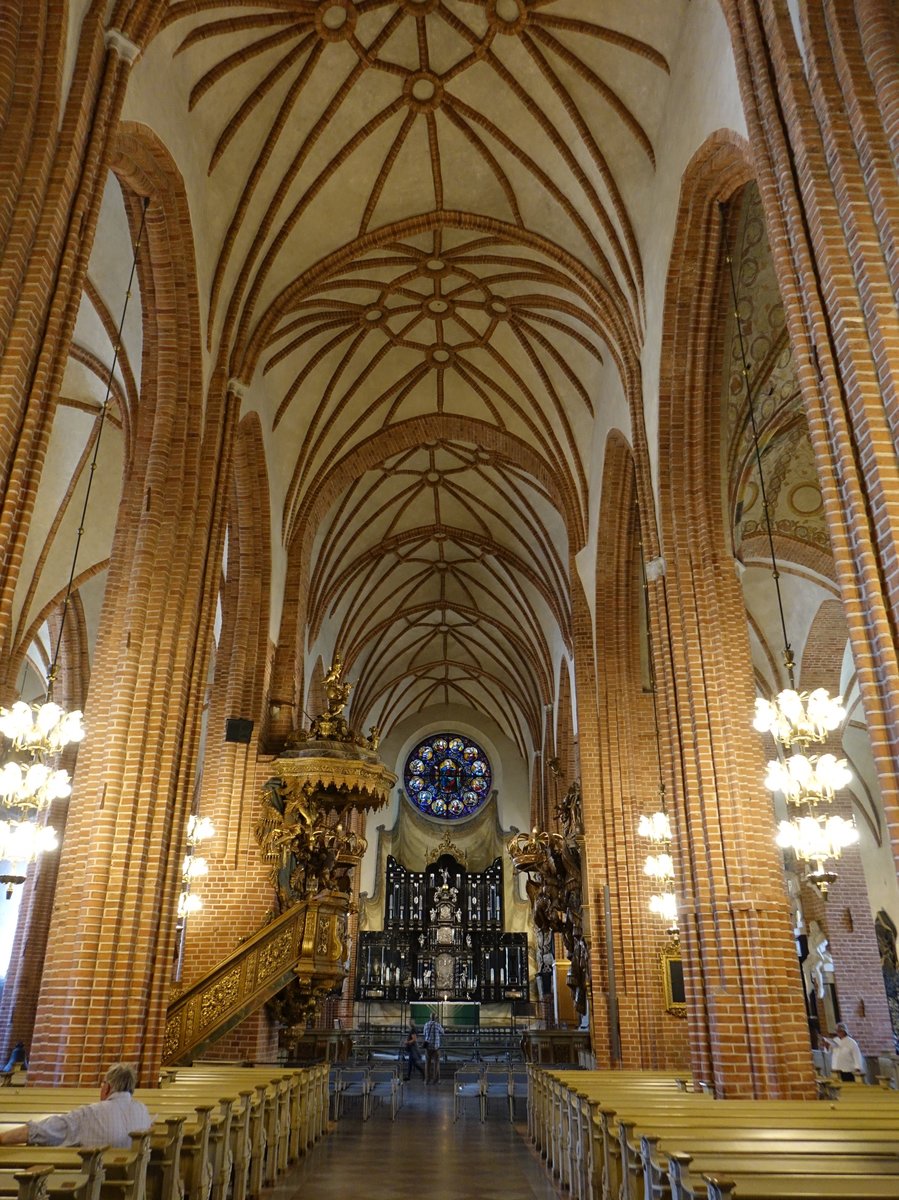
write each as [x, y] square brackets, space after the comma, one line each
[748, 1030]
[237, 893]
[823, 129]
[106, 977]
[630, 772]
[53, 165]
[747, 1021]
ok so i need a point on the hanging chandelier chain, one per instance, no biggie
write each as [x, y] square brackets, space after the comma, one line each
[789, 661]
[808, 782]
[53, 669]
[649, 652]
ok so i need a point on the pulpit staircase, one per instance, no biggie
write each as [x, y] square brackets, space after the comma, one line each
[306, 943]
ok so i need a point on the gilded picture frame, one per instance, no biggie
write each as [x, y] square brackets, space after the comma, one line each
[673, 987]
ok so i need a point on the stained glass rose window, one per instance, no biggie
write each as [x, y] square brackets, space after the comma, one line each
[447, 776]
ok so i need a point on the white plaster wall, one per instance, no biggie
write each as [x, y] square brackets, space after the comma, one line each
[703, 98]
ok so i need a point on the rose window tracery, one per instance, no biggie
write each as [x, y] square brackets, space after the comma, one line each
[447, 777]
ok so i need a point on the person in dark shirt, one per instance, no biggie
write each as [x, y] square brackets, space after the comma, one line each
[412, 1051]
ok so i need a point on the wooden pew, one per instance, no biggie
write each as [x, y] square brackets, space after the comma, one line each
[76, 1172]
[561, 1115]
[581, 1169]
[194, 1175]
[31, 1184]
[288, 1113]
[222, 1132]
[636, 1167]
[551, 1101]
[688, 1174]
[788, 1187]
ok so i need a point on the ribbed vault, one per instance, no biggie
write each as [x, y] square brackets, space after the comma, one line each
[336, 117]
[441, 574]
[418, 235]
[426, 217]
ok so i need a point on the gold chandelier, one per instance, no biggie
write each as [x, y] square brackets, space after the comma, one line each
[30, 777]
[656, 827]
[797, 720]
[194, 866]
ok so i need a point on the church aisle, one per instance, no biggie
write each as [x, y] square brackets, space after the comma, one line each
[421, 1154]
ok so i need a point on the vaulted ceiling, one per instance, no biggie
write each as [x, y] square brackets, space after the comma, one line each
[418, 220]
[418, 229]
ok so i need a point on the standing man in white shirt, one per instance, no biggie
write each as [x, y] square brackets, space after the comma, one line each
[109, 1122]
[845, 1056]
[433, 1039]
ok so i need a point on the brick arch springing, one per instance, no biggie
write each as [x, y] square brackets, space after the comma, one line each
[746, 1016]
[56, 152]
[120, 867]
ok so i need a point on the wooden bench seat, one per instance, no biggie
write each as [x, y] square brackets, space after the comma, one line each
[220, 1133]
[686, 1174]
[820, 1186]
[76, 1170]
[90, 1173]
[590, 1127]
[634, 1159]
[31, 1183]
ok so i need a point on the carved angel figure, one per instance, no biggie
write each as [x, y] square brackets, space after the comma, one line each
[338, 693]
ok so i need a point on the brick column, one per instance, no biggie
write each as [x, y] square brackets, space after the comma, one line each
[748, 1030]
[237, 893]
[53, 164]
[106, 978]
[630, 769]
[823, 129]
[747, 1021]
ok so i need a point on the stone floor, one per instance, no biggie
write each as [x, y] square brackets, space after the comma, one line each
[423, 1154]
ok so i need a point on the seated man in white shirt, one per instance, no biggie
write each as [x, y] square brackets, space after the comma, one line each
[109, 1122]
[845, 1055]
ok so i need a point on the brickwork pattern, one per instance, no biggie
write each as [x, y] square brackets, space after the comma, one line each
[846, 915]
[630, 775]
[824, 149]
[748, 1030]
[824, 155]
[112, 937]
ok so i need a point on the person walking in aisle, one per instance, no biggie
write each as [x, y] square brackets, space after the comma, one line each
[433, 1039]
[412, 1051]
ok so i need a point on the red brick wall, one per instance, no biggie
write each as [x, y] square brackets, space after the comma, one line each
[824, 153]
[748, 1029]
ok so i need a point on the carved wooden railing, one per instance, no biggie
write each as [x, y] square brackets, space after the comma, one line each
[307, 943]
